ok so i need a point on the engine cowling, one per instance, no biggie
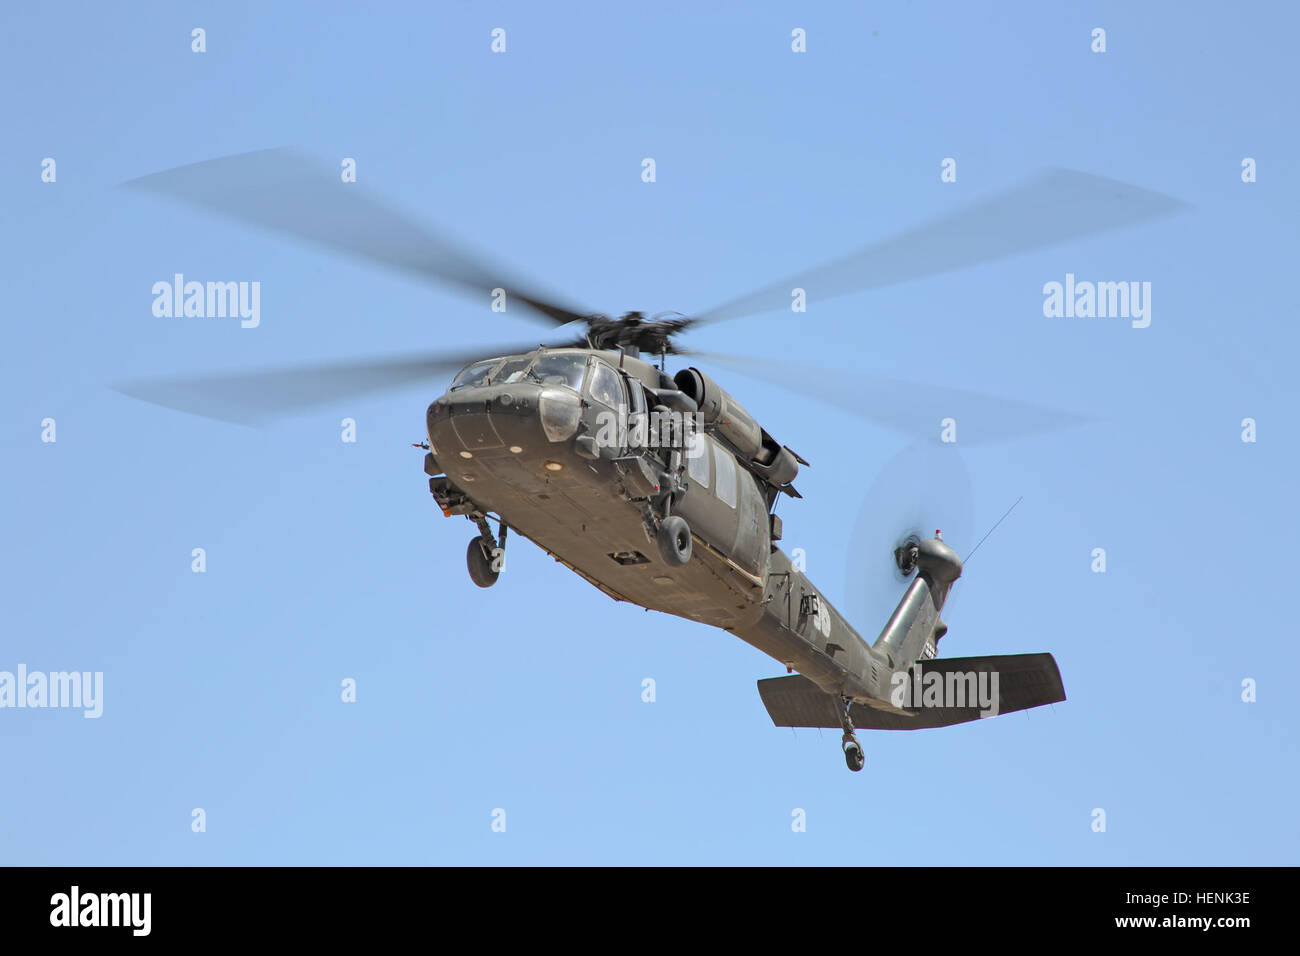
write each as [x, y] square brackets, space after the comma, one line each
[767, 457]
[781, 467]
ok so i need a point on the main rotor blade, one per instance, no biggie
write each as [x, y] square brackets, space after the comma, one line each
[281, 190]
[247, 398]
[914, 409]
[1059, 205]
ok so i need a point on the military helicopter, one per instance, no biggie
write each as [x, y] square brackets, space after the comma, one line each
[660, 489]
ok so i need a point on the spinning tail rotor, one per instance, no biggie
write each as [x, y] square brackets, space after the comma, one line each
[923, 492]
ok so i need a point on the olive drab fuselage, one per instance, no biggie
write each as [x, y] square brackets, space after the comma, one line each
[557, 448]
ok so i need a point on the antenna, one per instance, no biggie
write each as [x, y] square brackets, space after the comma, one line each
[992, 529]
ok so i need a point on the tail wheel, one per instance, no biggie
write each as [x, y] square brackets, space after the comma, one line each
[853, 755]
[674, 541]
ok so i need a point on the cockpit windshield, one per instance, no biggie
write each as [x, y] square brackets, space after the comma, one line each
[561, 369]
[514, 370]
[566, 369]
[475, 374]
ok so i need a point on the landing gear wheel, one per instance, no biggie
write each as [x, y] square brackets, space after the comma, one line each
[481, 571]
[853, 755]
[674, 540]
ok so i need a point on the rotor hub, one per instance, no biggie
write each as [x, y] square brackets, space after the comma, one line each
[634, 331]
[907, 554]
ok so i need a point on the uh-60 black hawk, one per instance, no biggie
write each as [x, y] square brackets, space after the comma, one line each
[660, 489]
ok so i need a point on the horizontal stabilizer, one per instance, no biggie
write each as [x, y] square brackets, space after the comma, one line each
[1022, 681]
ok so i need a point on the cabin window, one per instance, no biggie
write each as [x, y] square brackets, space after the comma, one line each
[605, 386]
[561, 369]
[697, 461]
[726, 477]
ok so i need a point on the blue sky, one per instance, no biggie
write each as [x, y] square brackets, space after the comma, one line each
[328, 561]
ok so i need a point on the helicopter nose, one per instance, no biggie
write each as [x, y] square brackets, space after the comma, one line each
[485, 418]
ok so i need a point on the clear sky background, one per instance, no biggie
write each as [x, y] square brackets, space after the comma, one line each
[328, 561]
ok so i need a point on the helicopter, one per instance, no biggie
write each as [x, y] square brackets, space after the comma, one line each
[659, 489]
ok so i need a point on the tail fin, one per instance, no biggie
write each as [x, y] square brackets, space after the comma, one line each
[1007, 683]
[914, 622]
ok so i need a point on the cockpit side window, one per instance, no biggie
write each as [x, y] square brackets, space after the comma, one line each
[637, 435]
[605, 386]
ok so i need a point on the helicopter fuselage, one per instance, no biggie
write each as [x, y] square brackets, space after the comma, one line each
[523, 447]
